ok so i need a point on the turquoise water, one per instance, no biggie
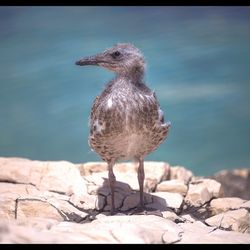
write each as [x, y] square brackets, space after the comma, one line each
[198, 63]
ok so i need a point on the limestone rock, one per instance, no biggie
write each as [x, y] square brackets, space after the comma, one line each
[98, 183]
[199, 233]
[25, 201]
[61, 202]
[56, 209]
[180, 173]
[126, 228]
[118, 229]
[169, 214]
[246, 205]
[7, 189]
[197, 195]
[16, 232]
[213, 187]
[202, 190]
[13, 232]
[155, 172]
[188, 218]
[37, 208]
[123, 229]
[173, 186]
[7, 207]
[168, 200]
[89, 168]
[224, 204]
[127, 172]
[128, 178]
[39, 223]
[9, 193]
[236, 220]
[58, 176]
[88, 202]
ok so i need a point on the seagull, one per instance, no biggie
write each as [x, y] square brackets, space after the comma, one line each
[126, 122]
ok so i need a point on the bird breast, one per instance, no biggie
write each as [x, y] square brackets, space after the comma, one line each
[126, 123]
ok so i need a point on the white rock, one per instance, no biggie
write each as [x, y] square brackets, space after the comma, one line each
[47, 202]
[88, 202]
[213, 187]
[123, 229]
[198, 233]
[201, 191]
[156, 170]
[180, 173]
[197, 195]
[7, 207]
[168, 200]
[173, 186]
[236, 220]
[224, 204]
[128, 229]
[170, 215]
[37, 208]
[89, 168]
[58, 176]
[188, 218]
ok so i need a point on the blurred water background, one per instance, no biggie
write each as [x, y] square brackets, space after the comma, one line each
[198, 63]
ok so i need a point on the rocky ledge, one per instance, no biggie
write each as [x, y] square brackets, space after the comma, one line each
[61, 202]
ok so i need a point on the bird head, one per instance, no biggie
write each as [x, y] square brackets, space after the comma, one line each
[122, 58]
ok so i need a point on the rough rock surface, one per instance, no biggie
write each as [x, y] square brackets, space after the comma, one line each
[173, 186]
[62, 202]
[203, 190]
[237, 220]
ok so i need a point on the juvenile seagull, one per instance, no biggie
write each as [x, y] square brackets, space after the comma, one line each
[126, 121]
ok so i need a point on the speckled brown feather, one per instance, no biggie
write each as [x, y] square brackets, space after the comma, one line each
[126, 121]
[134, 115]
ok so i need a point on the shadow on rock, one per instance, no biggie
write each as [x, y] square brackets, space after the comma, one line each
[127, 200]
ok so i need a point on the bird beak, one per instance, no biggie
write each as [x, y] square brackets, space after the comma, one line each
[90, 60]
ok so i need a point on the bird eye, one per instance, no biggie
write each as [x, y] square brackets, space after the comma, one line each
[116, 54]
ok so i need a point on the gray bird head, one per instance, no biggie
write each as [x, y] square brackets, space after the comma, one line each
[123, 58]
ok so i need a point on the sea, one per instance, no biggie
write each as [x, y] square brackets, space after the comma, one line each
[198, 64]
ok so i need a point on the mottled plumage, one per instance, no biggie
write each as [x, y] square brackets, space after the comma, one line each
[126, 121]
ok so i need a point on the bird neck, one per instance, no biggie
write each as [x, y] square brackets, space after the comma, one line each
[134, 75]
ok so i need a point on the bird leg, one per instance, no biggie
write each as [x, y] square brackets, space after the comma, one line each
[141, 180]
[112, 181]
